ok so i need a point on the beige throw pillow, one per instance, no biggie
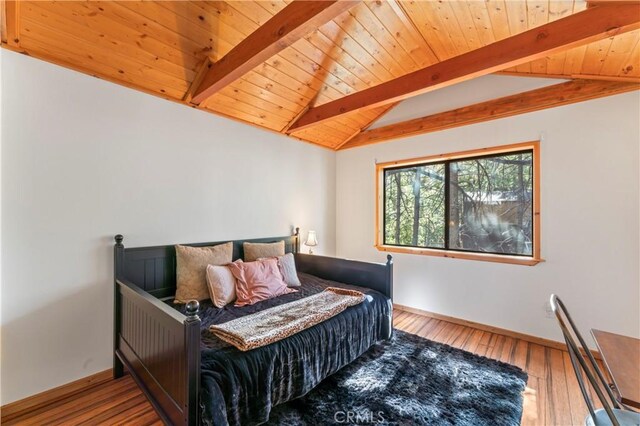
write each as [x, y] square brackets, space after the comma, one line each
[222, 285]
[191, 270]
[254, 251]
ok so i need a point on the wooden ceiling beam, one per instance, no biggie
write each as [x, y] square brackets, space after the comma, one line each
[533, 100]
[296, 20]
[197, 79]
[628, 79]
[10, 23]
[584, 27]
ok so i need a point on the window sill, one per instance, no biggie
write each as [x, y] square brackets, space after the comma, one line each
[497, 258]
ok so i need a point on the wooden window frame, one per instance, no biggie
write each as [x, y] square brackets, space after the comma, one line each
[532, 260]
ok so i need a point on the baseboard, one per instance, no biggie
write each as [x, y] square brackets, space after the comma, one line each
[497, 330]
[18, 408]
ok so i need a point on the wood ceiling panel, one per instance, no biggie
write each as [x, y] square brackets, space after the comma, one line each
[140, 26]
[233, 92]
[96, 30]
[331, 82]
[268, 94]
[611, 57]
[340, 57]
[595, 56]
[342, 129]
[631, 66]
[279, 79]
[170, 16]
[481, 15]
[108, 61]
[498, 18]
[350, 75]
[395, 20]
[430, 27]
[351, 25]
[620, 49]
[343, 39]
[161, 47]
[244, 111]
[461, 12]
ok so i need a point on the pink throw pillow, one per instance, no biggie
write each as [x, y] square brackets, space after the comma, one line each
[256, 281]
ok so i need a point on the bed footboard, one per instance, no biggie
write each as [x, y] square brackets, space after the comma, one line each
[160, 347]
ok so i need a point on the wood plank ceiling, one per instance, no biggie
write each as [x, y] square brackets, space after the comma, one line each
[166, 47]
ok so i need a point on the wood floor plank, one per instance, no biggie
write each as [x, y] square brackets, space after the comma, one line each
[551, 397]
[474, 341]
[462, 338]
[557, 388]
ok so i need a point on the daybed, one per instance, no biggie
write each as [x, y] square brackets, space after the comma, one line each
[192, 378]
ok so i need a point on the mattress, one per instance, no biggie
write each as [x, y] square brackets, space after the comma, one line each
[242, 387]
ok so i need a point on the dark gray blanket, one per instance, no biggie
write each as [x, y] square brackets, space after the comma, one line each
[242, 387]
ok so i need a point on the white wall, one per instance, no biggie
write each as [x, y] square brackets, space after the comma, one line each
[590, 220]
[84, 159]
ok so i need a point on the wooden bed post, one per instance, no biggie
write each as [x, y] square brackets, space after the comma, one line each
[192, 350]
[390, 275]
[390, 287]
[296, 248]
[118, 265]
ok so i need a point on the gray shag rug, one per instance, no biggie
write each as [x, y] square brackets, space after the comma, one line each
[410, 380]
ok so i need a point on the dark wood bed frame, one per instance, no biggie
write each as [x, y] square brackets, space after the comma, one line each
[160, 347]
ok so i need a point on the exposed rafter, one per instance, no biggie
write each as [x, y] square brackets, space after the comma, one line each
[10, 22]
[593, 24]
[293, 22]
[572, 76]
[533, 100]
[197, 79]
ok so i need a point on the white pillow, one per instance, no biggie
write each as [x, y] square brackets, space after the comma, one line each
[222, 285]
[287, 266]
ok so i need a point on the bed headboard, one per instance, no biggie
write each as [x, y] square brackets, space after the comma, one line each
[153, 269]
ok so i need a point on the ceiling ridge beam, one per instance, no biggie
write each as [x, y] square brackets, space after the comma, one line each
[296, 20]
[590, 25]
[546, 97]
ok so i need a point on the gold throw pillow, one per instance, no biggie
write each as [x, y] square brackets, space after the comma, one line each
[191, 269]
[254, 251]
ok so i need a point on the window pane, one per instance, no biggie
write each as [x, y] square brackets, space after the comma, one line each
[491, 207]
[414, 206]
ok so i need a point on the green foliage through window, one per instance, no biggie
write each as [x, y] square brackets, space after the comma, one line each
[478, 204]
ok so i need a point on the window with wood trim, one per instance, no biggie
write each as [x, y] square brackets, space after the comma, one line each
[480, 204]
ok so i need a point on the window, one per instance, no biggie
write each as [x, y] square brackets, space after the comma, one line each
[473, 205]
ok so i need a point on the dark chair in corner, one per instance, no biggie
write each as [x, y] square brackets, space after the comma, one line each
[612, 413]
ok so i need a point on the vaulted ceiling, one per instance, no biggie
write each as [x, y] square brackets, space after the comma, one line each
[301, 58]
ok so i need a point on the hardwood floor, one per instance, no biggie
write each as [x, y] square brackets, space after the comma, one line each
[552, 396]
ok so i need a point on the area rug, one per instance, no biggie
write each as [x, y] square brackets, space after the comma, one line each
[412, 381]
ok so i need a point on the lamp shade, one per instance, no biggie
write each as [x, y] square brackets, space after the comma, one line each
[311, 239]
